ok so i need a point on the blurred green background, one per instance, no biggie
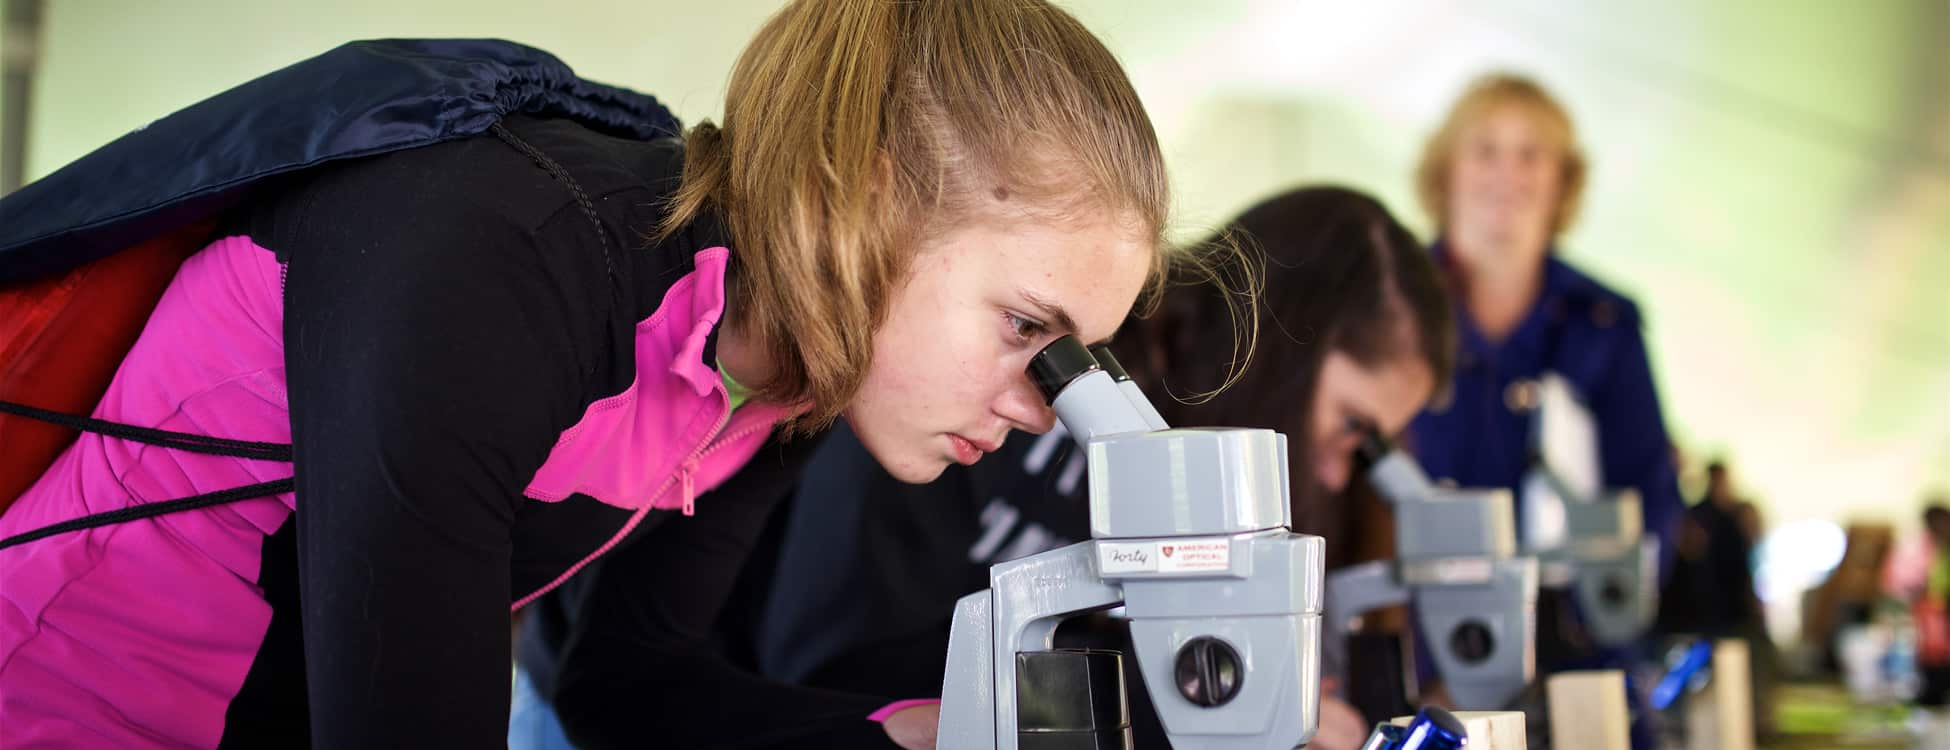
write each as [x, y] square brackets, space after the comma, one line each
[1772, 177]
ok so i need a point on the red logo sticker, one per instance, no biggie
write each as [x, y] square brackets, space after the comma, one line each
[1167, 550]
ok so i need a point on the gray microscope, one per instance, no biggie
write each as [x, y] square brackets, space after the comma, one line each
[1586, 538]
[1190, 535]
[1475, 597]
[1474, 575]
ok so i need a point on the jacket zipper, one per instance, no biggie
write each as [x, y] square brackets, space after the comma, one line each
[690, 506]
[684, 471]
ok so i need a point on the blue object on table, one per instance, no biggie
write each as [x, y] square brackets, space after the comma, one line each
[1673, 684]
[1431, 729]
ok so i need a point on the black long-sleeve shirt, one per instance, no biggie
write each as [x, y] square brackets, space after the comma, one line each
[450, 312]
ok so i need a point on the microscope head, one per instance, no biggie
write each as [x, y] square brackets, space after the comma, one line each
[1587, 538]
[1150, 481]
[1456, 559]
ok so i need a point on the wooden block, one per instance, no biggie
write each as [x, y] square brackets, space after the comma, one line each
[1722, 718]
[1588, 710]
[1488, 730]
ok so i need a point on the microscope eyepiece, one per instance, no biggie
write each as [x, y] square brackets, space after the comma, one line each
[1115, 370]
[1064, 360]
[1108, 361]
[1374, 446]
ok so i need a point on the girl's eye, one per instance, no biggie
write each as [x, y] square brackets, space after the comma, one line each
[1023, 328]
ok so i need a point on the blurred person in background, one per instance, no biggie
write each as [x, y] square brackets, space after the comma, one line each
[1503, 178]
[1929, 597]
[1747, 515]
[1711, 591]
[1849, 595]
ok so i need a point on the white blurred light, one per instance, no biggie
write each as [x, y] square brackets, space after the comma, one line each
[1796, 557]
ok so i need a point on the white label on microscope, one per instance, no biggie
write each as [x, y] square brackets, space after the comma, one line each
[1194, 555]
[1165, 556]
[1123, 557]
[1463, 570]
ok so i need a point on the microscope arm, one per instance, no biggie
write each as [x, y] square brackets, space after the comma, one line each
[1026, 600]
[1354, 591]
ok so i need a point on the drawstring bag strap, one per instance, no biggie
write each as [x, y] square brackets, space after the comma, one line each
[182, 441]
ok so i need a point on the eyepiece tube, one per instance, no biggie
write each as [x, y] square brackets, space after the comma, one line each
[1108, 361]
[1063, 361]
[1085, 397]
[1374, 447]
[1392, 472]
